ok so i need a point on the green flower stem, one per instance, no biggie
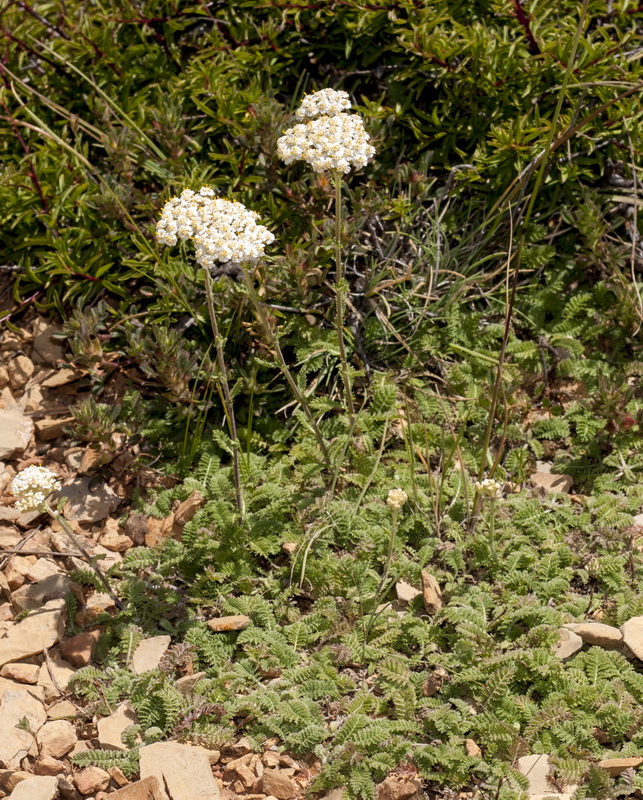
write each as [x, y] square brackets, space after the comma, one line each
[92, 563]
[340, 292]
[274, 342]
[391, 542]
[492, 530]
[227, 404]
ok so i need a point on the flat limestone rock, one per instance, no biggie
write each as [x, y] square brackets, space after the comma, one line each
[536, 769]
[599, 634]
[41, 629]
[16, 431]
[44, 344]
[44, 787]
[405, 593]
[632, 631]
[235, 622]
[568, 645]
[87, 505]
[149, 653]
[148, 789]
[15, 742]
[56, 738]
[555, 484]
[9, 685]
[110, 729]
[171, 762]
[62, 672]
[34, 595]
[432, 594]
[614, 766]
[187, 683]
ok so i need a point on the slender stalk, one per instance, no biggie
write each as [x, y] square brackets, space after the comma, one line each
[340, 291]
[389, 555]
[227, 404]
[274, 342]
[72, 536]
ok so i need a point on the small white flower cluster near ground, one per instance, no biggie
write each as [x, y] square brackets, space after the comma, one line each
[332, 140]
[396, 499]
[221, 230]
[489, 488]
[33, 486]
[326, 102]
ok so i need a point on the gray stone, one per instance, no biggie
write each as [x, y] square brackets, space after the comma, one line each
[87, 505]
[536, 768]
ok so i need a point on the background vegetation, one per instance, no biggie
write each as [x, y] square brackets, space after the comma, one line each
[508, 144]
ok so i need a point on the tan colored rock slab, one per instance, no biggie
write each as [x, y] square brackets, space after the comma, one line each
[79, 650]
[148, 789]
[56, 738]
[171, 762]
[62, 671]
[44, 344]
[632, 631]
[149, 653]
[36, 788]
[431, 592]
[35, 595]
[110, 729]
[20, 369]
[16, 432]
[60, 378]
[62, 710]
[614, 766]
[22, 673]
[569, 643]
[598, 634]
[7, 685]
[88, 504]
[554, 484]
[39, 630]
[15, 743]
[187, 683]
[472, 749]
[405, 593]
[277, 784]
[50, 428]
[235, 622]
[536, 768]
[91, 780]
[48, 765]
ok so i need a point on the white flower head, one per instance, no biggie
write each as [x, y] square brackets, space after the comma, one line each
[326, 102]
[489, 489]
[33, 486]
[337, 142]
[396, 499]
[222, 230]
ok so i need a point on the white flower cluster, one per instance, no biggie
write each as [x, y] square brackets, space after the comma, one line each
[333, 141]
[396, 499]
[326, 102]
[489, 488]
[221, 230]
[33, 486]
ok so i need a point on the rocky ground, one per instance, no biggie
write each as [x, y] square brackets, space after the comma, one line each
[42, 724]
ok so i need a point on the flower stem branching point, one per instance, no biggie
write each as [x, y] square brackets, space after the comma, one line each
[32, 487]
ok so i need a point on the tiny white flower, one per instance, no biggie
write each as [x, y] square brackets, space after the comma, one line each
[396, 499]
[220, 229]
[326, 102]
[336, 142]
[489, 488]
[33, 486]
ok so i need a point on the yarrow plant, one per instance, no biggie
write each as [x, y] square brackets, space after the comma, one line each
[330, 141]
[32, 487]
[221, 230]
[489, 489]
[326, 102]
[225, 231]
[396, 499]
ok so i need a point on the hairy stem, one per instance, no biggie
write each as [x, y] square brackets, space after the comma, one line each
[223, 378]
[339, 293]
[274, 343]
[72, 536]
